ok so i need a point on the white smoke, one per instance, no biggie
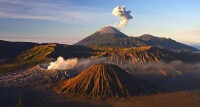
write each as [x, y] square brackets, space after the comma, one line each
[61, 63]
[75, 63]
[121, 12]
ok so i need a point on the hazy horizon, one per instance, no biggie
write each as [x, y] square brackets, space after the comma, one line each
[70, 21]
[193, 44]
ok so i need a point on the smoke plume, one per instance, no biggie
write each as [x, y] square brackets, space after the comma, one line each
[75, 63]
[60, 63]
[121, 12]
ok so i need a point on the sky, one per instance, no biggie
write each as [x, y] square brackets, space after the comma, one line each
[68, 21]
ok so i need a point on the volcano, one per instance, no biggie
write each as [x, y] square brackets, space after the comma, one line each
[104, 81]
[110, 36]
[103, 36]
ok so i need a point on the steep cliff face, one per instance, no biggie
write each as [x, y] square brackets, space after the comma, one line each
[134, 55]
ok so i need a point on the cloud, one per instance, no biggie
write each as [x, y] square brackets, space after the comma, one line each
[46, 10]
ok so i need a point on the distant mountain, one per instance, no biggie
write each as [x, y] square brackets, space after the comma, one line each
[165, 43]
[109, 36]
[104, 81]
[194, 44]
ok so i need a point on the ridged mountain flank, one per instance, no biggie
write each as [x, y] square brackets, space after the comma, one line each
[104, 81]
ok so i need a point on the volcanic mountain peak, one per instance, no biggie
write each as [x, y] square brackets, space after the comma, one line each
[103, 36]
[110, 36]
[109, 30]
[103, 81]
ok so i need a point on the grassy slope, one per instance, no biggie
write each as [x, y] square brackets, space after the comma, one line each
[29, 58]
[43, 53]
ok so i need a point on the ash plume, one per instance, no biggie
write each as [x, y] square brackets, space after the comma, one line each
[121, 12]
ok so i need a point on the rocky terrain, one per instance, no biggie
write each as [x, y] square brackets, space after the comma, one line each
[35, 77]
[132, 55]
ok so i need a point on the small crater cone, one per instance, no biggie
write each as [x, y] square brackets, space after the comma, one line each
[103, 81]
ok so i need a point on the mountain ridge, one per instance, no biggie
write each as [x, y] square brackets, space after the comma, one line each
[144, 54]
[113, 37]
[166, 43]
[12, 49]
